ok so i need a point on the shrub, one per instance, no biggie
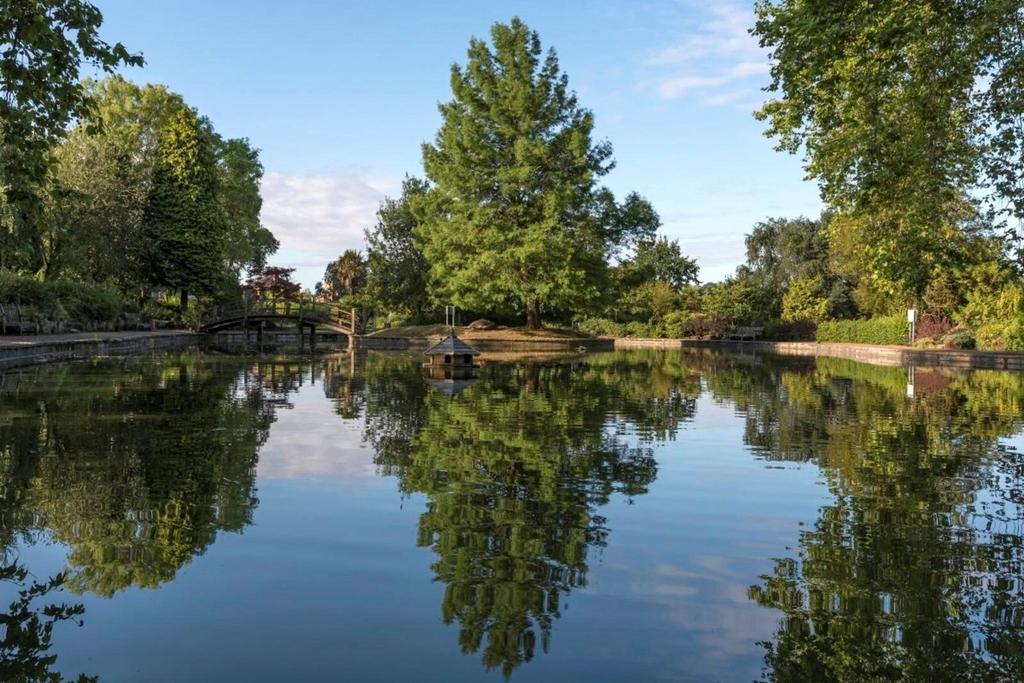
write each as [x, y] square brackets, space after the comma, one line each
[705, 326]
[601, 327]
[62, 300]
[961, 339]
[641, 329]
[887, 330]
[932, 327]
[793, 330]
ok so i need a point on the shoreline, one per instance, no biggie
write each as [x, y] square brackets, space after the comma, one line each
[890, 356]
[22, 351]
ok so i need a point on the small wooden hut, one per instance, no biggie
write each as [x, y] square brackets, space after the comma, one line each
[451, 352]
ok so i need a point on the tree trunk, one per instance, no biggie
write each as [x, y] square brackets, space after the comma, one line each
[183, 304]
[532, 315]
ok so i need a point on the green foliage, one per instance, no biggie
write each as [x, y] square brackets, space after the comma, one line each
[397, 276]
[514, 217]
[903, 108]
[804, 300]
[601, 327]
[247, 243]
[344, 276]
[733, 300]
[183, 224]
[63, 301]
[889, 330]
[43, 46]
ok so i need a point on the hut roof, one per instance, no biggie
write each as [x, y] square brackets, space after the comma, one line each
[451, 345]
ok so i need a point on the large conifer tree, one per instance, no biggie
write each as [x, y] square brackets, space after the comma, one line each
[515, 219]
[183, 223]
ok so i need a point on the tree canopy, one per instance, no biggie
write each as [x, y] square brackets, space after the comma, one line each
[43, 46]
[515, 218]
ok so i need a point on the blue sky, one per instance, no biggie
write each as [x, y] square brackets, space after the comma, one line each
[340, 95]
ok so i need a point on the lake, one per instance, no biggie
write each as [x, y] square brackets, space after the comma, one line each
[628, 516]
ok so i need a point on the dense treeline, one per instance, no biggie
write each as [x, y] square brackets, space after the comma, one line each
[110, 182]
[920, 175]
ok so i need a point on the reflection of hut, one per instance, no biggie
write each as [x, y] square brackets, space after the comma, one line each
[449, 380]
[451, 352]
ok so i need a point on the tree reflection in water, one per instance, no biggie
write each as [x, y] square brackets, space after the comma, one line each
[514, 470]
[134, 466]
[28, 628]
[914, 572]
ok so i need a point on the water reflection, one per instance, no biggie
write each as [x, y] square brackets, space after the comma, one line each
[134, 467]
[515, 471]
[915, 571]
[911, 571]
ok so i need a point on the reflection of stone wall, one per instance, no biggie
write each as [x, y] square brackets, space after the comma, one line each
[866, 353]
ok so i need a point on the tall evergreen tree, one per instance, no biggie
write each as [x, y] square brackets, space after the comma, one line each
[184, 224]
[515, 218]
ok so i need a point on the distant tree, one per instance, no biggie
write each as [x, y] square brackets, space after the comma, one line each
[515, 217]
[43, 46]
[662, 260]
[397, 268]
[274, 282]
[248, 243]
[344, 275]
[183, 224]
[100, 184]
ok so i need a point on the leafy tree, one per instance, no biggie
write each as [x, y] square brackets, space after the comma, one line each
[43, 45]
[397, 269]
[344, 275]
[902, 107]
[804, 300]
[274, 282]
[247, 243]
[101, 181]
[661, 260]
[183, 224]
[515, 219]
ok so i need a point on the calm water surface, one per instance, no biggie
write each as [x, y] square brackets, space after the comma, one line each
[620, 517]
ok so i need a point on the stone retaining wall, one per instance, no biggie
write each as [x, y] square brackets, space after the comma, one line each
[62, 348]
[866, 353]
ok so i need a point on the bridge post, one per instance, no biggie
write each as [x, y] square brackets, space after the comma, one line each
[312, 338]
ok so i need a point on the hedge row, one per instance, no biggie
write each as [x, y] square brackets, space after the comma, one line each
[63, 300]
[890, 330]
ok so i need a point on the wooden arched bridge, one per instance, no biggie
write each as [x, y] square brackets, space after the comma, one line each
[302, 315]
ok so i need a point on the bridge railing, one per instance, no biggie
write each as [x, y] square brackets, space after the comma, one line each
[301, 310]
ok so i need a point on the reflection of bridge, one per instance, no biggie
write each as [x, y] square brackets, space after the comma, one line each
[303, 315]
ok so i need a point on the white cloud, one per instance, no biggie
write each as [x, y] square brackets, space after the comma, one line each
[718, 57]
[315, 218]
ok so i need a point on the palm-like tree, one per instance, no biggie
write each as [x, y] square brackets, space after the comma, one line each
[345, 274]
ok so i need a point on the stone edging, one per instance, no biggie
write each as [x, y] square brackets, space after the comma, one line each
[866, 353]
[41, 350]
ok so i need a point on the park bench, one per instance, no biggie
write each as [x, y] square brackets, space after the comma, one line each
[17, 318]
[742, 333]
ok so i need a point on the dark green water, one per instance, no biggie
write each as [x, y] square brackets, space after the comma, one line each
[623, 517]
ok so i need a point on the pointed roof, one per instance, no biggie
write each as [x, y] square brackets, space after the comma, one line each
[451, 345]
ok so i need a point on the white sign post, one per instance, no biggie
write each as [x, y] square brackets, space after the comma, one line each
[449, 315]
[912, 320]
